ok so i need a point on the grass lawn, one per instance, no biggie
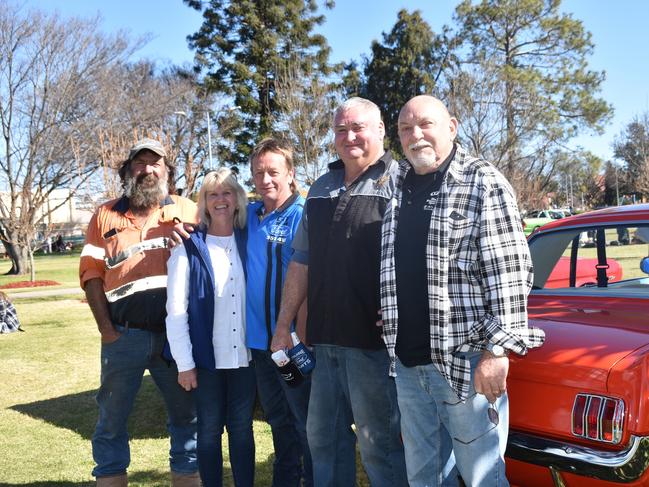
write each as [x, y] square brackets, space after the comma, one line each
[47, 409]
[62, 268]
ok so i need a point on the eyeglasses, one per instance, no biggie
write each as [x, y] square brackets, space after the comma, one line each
[492, 413]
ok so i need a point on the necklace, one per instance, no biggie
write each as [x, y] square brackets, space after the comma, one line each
[225, 243]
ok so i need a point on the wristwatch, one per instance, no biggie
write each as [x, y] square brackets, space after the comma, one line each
[496, 350]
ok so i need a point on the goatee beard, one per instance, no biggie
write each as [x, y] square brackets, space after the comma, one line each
[145, 191]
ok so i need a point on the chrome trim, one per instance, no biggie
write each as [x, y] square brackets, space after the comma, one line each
[621, 466]
[557, 479]
[616, 420]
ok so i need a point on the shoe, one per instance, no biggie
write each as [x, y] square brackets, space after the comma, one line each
[113, 481]
[185, 479]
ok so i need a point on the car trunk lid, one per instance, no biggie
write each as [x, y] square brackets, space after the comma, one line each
[585, 339]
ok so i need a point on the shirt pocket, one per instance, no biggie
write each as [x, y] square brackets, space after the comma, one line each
[463, 251]
[115, 243]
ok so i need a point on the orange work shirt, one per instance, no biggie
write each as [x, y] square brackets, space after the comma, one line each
[131, 260]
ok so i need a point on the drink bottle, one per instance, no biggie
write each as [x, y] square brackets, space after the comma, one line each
[287, 368]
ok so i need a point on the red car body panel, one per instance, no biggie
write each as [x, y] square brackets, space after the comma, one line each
[586, 273]
[597, 342]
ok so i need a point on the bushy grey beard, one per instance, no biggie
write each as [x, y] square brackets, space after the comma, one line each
[145, 191]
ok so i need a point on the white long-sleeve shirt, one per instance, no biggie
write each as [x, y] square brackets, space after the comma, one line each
[229, 329]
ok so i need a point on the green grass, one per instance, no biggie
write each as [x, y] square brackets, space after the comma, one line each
[62, 268]
[47, 409]
[628, 256]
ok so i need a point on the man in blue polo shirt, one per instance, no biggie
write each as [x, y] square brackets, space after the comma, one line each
[272, 222]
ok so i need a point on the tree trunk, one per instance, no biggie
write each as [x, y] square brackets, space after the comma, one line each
[19, 255]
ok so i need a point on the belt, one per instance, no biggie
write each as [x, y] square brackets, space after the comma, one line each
[142, 326]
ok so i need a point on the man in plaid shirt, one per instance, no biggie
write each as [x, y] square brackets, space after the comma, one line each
[455, 275]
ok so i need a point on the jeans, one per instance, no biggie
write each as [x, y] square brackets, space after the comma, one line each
[226, 397]
[445, 437]
[286, 410]
[123, 363]
[351, 385]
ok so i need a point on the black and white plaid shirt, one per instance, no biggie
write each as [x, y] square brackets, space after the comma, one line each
[479, 269]
[8, 317]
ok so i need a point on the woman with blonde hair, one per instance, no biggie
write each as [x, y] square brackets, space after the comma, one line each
[206, 309]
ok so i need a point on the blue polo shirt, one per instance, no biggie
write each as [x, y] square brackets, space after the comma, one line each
[269, 252]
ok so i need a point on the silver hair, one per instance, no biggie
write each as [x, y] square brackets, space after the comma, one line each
[357, 102]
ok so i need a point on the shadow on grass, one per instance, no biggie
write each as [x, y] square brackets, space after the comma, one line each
[143, 478]
[50, 483]
[78, 412]
[152, 478]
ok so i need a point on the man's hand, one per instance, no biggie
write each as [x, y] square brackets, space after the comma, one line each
[281, 339]
[187, 379]
[180, 232]
[109, 335]
[490, 376]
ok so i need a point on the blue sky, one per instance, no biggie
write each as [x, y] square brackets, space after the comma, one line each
[618, 28]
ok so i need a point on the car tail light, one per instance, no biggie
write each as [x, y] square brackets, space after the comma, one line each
[598, 418]
[578, 410]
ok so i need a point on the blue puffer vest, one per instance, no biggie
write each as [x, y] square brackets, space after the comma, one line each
[200, 306]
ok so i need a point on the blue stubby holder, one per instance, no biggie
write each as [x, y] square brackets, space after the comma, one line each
[301, 356]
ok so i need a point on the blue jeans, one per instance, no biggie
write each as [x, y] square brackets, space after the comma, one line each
[226, 397]
[351, 385]
[443, 436]
[286, 410]
[123, 363]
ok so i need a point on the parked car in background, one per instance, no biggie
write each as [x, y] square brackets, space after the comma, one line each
[585, 272]
[579, 405]
[537, 218]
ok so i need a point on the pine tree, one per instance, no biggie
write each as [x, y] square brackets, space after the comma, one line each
[407, 63]
[632, 147]
[541, 91]
[242, 45]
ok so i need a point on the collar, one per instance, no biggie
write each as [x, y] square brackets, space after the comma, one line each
[447, 162]
[122, 204]
[339, 164]
[261, 211]
[456, 166]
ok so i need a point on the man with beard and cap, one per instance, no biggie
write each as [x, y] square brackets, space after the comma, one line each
[123, 272]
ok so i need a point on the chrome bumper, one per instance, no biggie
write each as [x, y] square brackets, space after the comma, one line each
[622, 466]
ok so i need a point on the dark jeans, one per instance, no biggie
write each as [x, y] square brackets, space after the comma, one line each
[123, 363]
[226, 397]
[286, 410]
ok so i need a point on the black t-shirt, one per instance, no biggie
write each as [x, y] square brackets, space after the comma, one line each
[419, 197]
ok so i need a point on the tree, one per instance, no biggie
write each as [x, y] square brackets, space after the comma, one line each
[540, 91]
[610, 182]
[632, 147]
[305, 105]
[409, 62]
[241, 46]
[576, 180]
[51, 78]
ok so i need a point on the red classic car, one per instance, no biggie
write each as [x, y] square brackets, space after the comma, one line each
[585, 275]
[579, 405]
